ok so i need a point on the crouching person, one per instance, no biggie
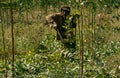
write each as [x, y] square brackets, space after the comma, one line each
[65, 26]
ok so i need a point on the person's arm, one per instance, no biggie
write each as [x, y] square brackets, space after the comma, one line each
[74, 24]
[53, 20]
[50, 20]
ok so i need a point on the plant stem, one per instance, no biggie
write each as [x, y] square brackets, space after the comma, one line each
[3, 38]
[82, 45]
[12, 36]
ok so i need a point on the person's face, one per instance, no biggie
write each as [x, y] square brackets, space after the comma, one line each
[65, 13]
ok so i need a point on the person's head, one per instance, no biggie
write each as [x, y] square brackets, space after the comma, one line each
[65, 10]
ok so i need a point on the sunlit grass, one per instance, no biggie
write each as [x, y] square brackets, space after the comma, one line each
[39, 55]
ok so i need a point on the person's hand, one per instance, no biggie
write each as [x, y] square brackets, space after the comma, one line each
[55, 26]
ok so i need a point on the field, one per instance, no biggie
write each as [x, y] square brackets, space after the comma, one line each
[32, 51]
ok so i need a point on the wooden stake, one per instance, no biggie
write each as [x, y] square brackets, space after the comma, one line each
[12, 36]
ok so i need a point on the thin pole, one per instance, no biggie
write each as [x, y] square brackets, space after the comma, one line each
[89, 26]
[3, 36]
[93, 31]
[79, 34]
[12, 36]
[82, 44]
[82, 47]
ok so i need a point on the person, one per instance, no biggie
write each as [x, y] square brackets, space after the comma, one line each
[65, 25]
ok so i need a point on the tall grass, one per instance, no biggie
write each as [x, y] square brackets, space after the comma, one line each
[39, 55]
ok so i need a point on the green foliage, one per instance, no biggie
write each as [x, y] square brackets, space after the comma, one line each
[52, 60]
[47, 44]
[54, 3]
[40, 55]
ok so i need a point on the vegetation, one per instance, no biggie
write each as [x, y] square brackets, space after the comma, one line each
[37, 53]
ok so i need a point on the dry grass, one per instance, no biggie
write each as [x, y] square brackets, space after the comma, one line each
[29, 27]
